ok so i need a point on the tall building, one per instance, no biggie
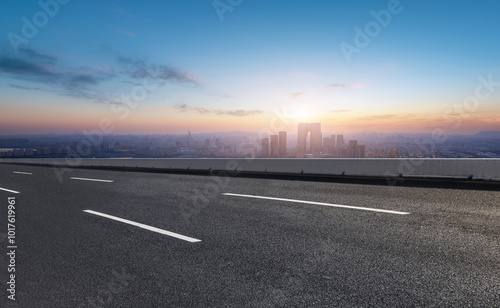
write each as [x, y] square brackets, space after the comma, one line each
[274, 146]
[265, 147]
[361, 151]
[315, 144]
[352, 149]
[327, 145]
[340, 140]
[333, 147]
[341, 146]
[282, 144]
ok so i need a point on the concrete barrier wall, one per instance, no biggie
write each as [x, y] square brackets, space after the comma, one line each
[486, 169]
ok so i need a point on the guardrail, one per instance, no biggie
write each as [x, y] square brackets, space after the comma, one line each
[476, 169]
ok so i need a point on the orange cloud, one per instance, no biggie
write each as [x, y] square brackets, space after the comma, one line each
[298, 95]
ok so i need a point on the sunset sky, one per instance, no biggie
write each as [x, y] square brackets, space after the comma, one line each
[231, 65]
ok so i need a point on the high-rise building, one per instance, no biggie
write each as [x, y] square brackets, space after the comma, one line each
[282, 144]
[315, 142]
[352, 149]
[341, 150]
[265, 147]
[274, 146]
[361, 151]
[333, 147]
[327, 145]
[340, 140]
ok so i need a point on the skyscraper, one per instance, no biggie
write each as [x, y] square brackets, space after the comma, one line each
[327, 145]
[361, 151]
[341, 146]
[274, 146]
[315, 144]
[333, 147]
[352, 149]
[340, 140]
[282, 144]
[265, 147]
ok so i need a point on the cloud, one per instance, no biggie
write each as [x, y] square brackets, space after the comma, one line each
[346, 86]
[119, 103]
[236, 113]
[33, 66]
[81, 79]
[387, 116]
[202, 110]
[379, 117]
[297, 95]
[84, 82]
[186, 108]
[140, 68]
[340, 111]
[129, 61]
[181, 107]
[24, 88]
[24, 69]
[165, 73]
[37, 56]
[81, 91]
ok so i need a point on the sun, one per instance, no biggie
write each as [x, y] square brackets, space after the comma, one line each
[301, 113]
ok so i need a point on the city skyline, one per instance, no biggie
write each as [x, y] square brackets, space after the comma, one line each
[308, 142]
[211, 66]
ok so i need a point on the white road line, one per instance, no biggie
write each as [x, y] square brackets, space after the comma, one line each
[12, 191]
[19, 172]
[172, 234]
[321, 203]
[94, 180]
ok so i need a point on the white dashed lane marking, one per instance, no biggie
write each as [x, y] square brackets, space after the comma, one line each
[321, 203]
[143, 226]
[93, 180]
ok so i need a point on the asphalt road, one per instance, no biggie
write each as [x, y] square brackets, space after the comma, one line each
[439, 248]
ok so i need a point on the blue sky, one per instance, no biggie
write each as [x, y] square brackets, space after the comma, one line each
[217, 74]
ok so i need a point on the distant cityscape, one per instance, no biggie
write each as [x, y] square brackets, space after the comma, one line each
[308, 142]
[316, 146]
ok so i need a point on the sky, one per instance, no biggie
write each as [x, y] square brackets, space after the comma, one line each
[168, 67]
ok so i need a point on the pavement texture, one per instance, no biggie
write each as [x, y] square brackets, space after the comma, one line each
[253, 252]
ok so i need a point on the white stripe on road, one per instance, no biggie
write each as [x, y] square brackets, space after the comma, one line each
[94, 180]
[19, 172]
[321, 203]
[172, 234]
[12, 191]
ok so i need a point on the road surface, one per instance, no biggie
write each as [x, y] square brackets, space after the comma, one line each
[93, 238]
